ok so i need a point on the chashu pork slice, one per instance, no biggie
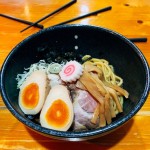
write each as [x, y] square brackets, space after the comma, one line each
[84, 106]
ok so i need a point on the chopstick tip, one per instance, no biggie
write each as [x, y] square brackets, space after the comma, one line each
[144, 39]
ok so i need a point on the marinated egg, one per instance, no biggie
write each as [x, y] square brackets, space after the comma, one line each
[33, 92]
[57, 112]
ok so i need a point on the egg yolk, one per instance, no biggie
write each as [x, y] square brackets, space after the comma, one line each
[30, 96]
[58, 114]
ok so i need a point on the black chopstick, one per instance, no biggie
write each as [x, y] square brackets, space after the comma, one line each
[43, 18]
[22, 21]
[138, 39]
[86, 15]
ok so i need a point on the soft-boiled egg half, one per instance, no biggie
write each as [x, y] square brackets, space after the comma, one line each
[33, 92]
[57, 112]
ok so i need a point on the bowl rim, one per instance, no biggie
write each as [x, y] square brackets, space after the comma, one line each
[80, 134]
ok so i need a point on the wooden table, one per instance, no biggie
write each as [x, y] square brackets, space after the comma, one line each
[128, 17]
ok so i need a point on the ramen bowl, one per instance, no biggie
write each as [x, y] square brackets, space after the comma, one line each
[78, 40]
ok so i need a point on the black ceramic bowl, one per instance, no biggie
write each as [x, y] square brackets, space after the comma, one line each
[50, 43]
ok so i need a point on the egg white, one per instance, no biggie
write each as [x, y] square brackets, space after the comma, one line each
[57, 92]
[40, 78]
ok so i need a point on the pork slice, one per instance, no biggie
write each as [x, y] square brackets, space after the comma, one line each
[82, 117]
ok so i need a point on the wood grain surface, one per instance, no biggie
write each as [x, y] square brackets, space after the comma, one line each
[128, 17]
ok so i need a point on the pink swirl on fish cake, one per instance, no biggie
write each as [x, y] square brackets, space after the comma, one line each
[69, 70]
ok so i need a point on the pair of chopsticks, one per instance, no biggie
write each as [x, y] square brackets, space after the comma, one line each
[68, 21]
